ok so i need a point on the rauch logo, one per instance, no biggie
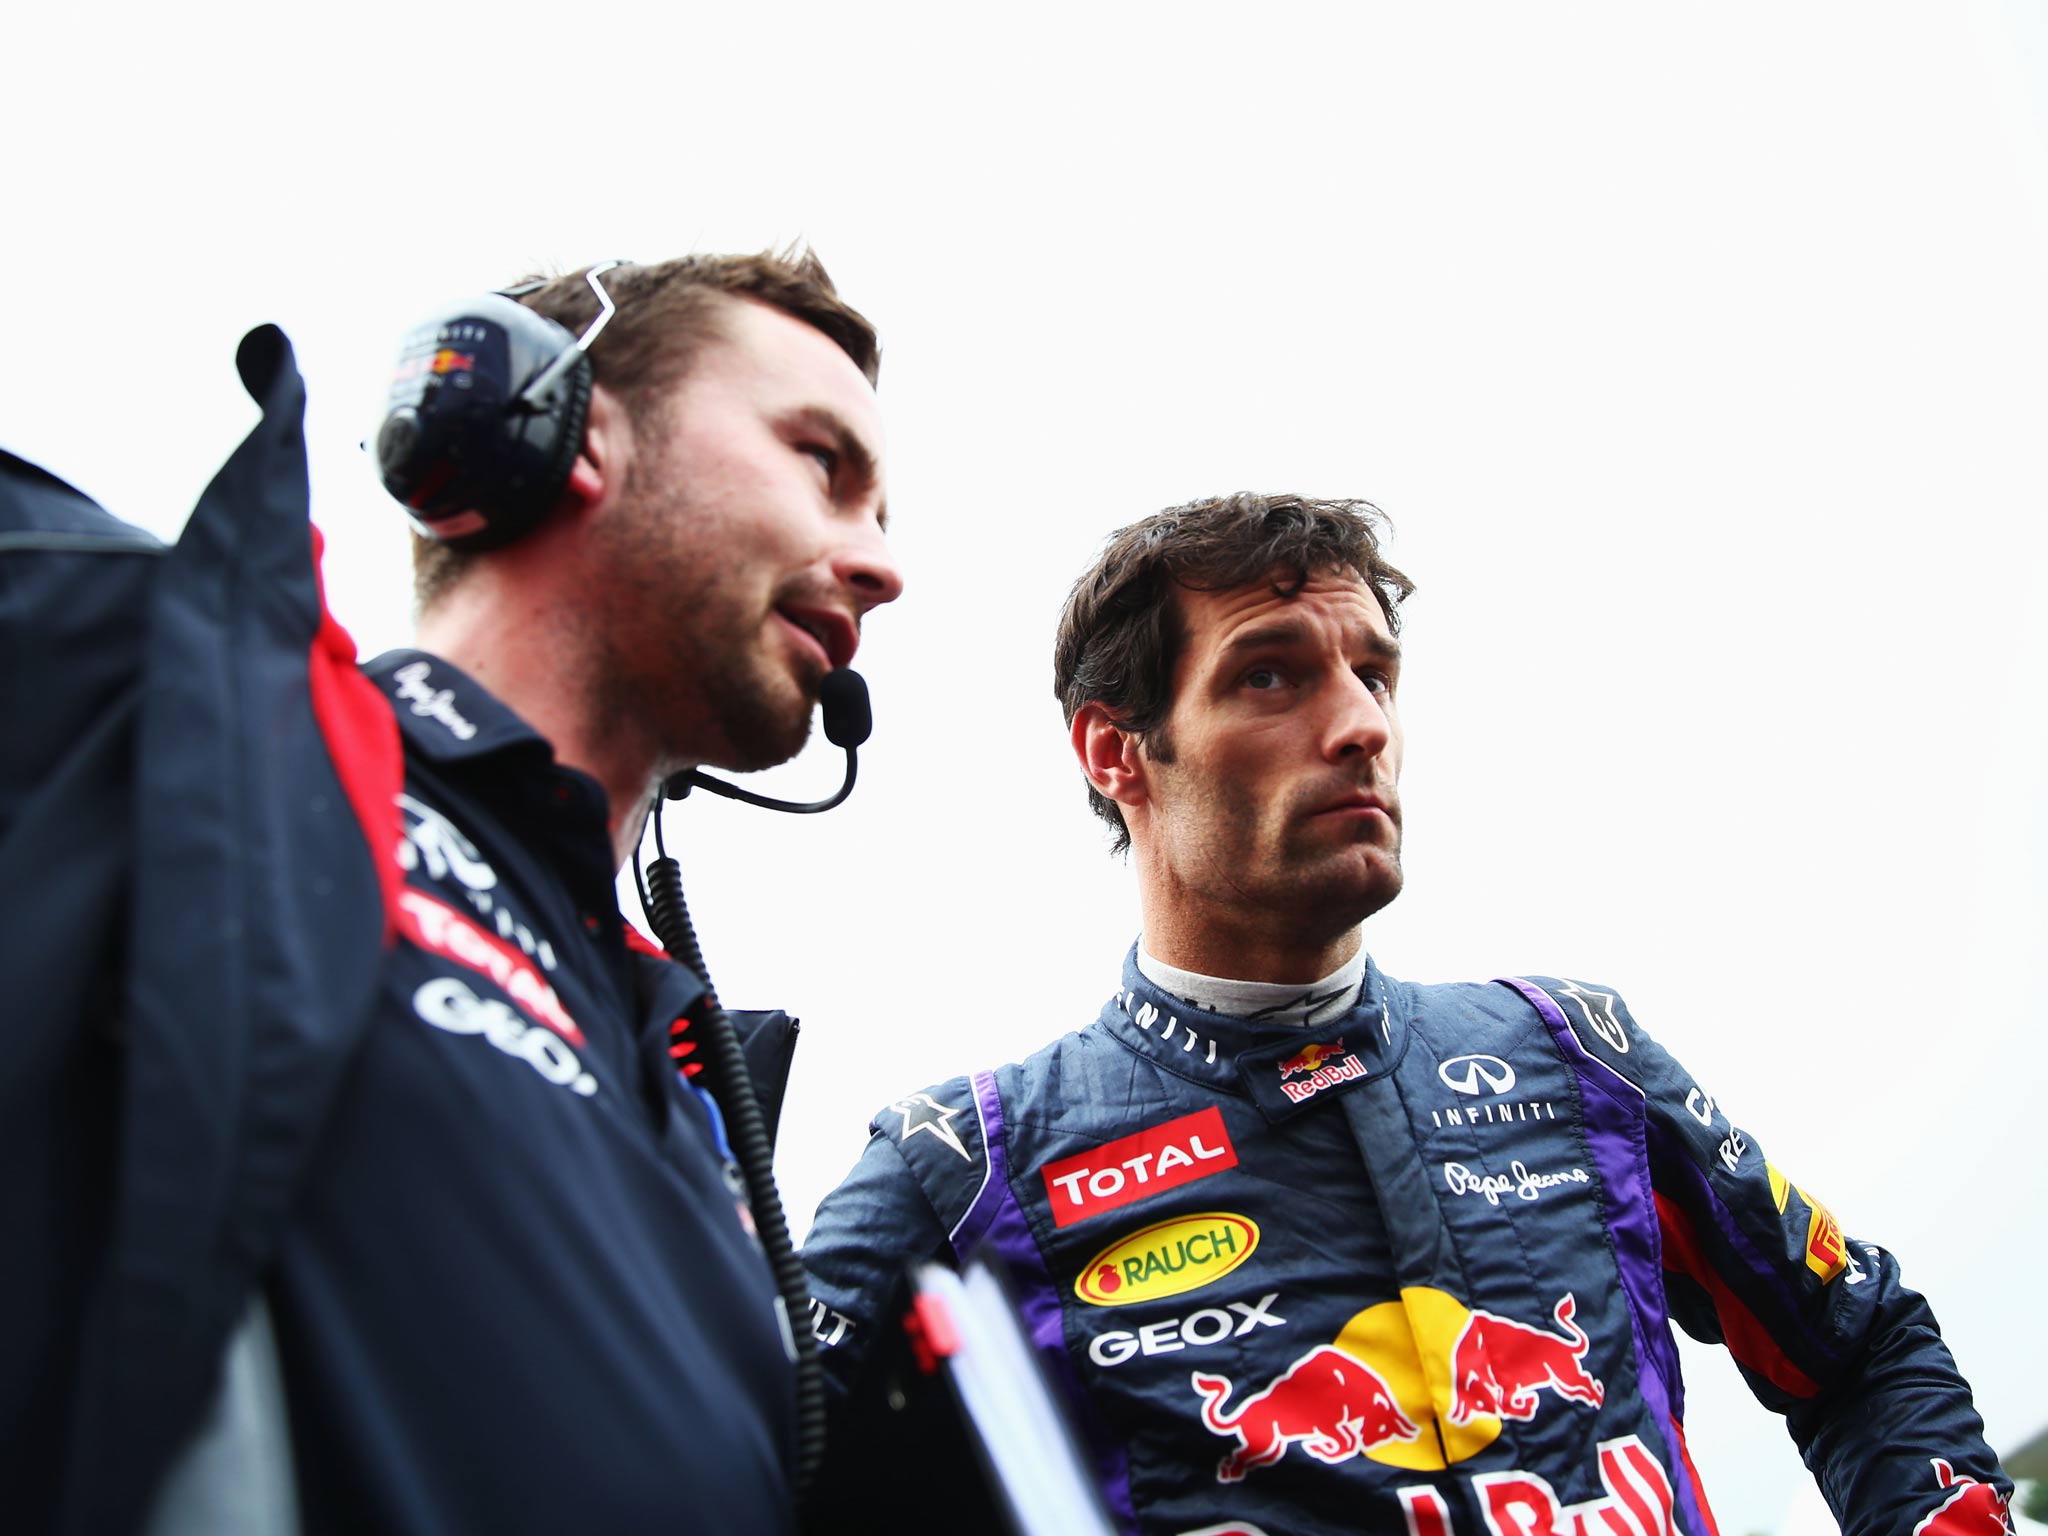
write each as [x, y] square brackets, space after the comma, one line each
[1168, 1258]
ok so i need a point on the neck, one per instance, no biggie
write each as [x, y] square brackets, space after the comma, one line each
[1243, 947]
[517, 645]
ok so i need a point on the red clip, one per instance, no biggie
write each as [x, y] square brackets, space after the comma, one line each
[931, 1332]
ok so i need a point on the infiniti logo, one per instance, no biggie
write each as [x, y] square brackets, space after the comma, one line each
[1464, 1074]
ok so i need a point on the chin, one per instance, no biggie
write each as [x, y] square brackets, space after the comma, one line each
[763, 722]
[1347, 894]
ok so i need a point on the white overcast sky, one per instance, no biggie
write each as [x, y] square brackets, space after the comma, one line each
[1697, 352]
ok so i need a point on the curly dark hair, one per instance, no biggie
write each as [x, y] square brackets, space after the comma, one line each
[1122, 630]
[666, 311]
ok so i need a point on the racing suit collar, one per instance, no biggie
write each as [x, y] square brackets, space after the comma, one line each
[443, 712]
[1282, 1068]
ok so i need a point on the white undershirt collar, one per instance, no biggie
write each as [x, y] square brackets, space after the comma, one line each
[1262, 1002]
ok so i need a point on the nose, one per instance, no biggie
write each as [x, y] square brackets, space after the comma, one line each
[864, 566]
[1358, 723]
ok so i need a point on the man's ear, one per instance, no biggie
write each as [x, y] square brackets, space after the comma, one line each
[599, 472]
[1109, 756]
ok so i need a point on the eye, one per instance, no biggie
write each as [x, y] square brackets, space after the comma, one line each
[1263, 679]
[1376, 682]
[827, 458]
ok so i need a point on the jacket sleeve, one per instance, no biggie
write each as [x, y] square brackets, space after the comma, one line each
[1822, 1325]
[889, 1422]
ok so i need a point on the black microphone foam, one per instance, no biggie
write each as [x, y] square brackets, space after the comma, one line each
[843, 695]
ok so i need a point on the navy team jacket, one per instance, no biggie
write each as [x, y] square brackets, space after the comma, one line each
[1412, 1270]
[316, 984]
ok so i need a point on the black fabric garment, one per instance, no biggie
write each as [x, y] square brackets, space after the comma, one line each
[257, 1041]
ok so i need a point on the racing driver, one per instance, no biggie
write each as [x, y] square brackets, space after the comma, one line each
[1314, 1250]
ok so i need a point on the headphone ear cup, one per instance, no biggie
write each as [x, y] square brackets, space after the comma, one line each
[574, 418]
[468, 444]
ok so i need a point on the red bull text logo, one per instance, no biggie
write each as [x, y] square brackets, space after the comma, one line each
[1133, 1167]
[1637, 1501]
[1375, 1389]
[1167, 1258]
[1974, 1509]
[1318, 1067]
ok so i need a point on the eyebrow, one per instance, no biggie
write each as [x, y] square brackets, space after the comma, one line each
[847, 443]
[1282, 633]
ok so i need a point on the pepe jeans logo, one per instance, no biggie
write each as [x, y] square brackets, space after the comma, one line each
[431, 703]
[1523, 1184]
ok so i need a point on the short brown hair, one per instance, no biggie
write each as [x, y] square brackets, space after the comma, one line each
[1122, 630]
[666, 312]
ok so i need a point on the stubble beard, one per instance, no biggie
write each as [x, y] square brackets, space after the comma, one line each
[1298, 877]
[686, 656]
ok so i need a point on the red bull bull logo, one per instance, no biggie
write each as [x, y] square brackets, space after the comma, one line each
[1499, 1365]
[1319, 1067]
[1332, 1405]
[1425, 1362]
[1973, 1509]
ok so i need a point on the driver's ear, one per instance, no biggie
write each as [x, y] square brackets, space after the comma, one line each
[1109, 755]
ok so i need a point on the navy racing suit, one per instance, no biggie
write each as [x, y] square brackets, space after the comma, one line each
[1416, 1265]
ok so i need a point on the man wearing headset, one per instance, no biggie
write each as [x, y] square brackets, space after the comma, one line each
[342, 1068]
[1319, 1251]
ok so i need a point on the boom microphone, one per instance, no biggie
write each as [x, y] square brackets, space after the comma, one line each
[843, 696]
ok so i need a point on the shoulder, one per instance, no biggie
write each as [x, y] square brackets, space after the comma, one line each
[948, 1132]
[1594, 1028]
[942, 1134]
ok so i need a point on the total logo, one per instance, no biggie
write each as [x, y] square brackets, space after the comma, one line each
[436, 926]
[1168, 1258]
[1318, 1067]
[1132, 1167]
[1374, 1390]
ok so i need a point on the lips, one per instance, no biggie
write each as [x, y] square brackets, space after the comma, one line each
[835, 635]
[1359, 804]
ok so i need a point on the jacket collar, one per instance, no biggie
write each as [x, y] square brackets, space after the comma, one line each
[443, 712]
[1282, 1068]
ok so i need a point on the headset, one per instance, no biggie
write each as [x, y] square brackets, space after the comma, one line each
[486, 416]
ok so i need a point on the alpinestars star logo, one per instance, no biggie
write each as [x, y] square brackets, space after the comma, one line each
[1598, 1009]
[923, 1113]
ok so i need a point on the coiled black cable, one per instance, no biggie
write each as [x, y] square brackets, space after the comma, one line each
[747, 1131]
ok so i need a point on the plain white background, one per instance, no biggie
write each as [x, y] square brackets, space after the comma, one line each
[1695, 351]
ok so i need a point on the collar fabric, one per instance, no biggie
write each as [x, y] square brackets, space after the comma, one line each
[443, 711]
[1262, 1002]
[1281, 1068]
